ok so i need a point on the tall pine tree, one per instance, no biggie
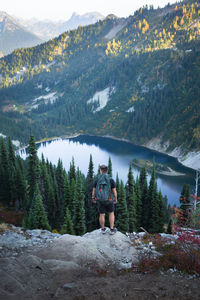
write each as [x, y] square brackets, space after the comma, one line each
[60, 183]
[185, 201]
[67, 197]
[138, 204]
[68, 224]
[37, 217]
[131, 200]
[12, 174]
[110, 167]
[90, 208]
[161, 213]
[79, 217]
[33, 169]
[5, 180]
[144, 198]
[72, 170]
[153, 201]
[122, 212]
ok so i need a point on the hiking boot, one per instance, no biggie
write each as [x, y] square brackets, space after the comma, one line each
[113, 231]
[103, 230]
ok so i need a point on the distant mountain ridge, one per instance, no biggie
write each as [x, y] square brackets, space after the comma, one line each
[48, 29]
[18, 33]
[13, 35]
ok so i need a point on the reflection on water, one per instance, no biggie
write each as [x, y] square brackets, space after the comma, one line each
[121, 153]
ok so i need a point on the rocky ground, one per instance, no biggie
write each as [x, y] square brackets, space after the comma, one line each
[36, 264]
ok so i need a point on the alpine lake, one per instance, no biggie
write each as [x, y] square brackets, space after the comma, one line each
[170, 174]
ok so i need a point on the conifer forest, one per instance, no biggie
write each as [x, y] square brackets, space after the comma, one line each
[50, 197]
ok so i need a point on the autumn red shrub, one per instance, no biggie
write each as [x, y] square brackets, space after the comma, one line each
[11, 217]
[185, 259]
[148, 264]
[188, 237]
[182, 254]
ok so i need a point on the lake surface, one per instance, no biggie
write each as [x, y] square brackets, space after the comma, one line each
[121, 154]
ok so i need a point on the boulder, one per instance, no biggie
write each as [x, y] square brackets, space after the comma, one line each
[94, 249]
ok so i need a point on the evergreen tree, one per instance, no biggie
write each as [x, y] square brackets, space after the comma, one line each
[154, 206]
[161, 213]
[60, 184]
[5, 180]
[51, 209]
[144, 198]
[48, 194]
[130, 185]
[131, 200]
[185, 201]
[68, 224]
[117, 188]
[138, 204]
[16, 179]
[79, 217]
[67, 197]
[11, 153]
[58, 213]
[132, 212]
[21, 187]
[20, 162]
[169, 227]
[33, 169]
[90, 208]
[166, 210]
[60, 180]
[72, 171]
[37, 216]
[44, 183]
[73, 197]
[122, 212]
[110, 167]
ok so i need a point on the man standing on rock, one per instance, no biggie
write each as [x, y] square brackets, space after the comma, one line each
[104, 192]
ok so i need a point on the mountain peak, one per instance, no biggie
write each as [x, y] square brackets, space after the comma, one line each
[13, 35]
[74, 14]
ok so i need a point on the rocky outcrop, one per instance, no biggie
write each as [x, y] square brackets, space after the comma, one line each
[190, 159]
[38, 264]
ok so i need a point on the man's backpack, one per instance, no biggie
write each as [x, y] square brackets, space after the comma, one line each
[103, 189]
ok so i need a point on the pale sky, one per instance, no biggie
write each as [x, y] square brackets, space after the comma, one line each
[63, 9]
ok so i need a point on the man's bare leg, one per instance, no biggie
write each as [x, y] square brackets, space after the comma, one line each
[112, 219]
[102, 220]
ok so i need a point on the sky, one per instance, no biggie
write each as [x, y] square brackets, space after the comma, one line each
[62, 9]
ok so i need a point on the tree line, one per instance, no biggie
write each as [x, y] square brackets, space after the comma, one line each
[55, 199]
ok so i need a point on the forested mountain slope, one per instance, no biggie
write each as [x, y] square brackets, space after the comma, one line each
[135, 78]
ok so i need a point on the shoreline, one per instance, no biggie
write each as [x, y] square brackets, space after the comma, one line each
[170, 172]
[178, 157]
[51, 139]
[155, 147]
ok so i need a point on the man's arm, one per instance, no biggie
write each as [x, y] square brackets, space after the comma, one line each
[93, 195]
[114, 190]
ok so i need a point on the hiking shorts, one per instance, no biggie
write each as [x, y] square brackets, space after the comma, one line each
[106, 208]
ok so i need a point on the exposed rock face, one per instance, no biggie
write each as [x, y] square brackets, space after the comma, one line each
[13, 241]
[190, 159]
[93, 250]
[37, 264]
